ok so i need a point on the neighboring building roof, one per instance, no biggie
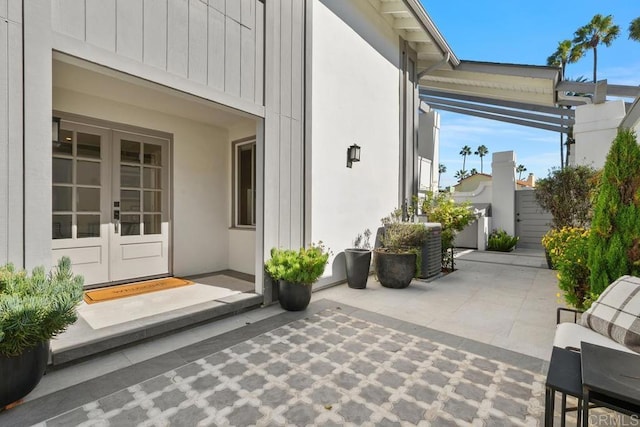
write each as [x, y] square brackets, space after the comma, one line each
[472, 182]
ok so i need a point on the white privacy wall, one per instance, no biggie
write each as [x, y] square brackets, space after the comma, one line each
[354, 100]
[201, 173]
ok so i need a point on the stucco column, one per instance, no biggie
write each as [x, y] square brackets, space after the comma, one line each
[595, 129]
[503, 199]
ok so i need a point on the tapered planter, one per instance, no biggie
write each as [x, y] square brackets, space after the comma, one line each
[21, 374]
[395, 270]
[358, 262]
[293, 296]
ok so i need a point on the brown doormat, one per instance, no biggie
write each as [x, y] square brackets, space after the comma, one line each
[122, 291]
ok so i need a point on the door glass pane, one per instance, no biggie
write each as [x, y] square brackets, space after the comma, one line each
[152, 178]
[65, 145]
[62, 198]
[61, 227]
[87, 199]
[130, 176]
[130, 201]
[130, 225]
[152, 200]
[88, 173]
[152, 154]
[88, 226]
[246, 193]
[88, 145]
[129, 151]
[152, 224]
[62, 171]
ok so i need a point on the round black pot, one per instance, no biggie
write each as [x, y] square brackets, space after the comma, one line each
[21, 374]
[358, 262]
[293, 296]
[395, 270]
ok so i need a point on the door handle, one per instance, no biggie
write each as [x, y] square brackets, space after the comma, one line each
[116, 221]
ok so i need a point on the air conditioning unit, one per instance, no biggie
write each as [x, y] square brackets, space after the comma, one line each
[432, 252]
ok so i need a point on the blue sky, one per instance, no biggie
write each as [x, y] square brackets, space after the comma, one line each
[524, 32]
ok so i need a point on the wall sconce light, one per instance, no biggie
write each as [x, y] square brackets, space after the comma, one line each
[353, 154]
[55, 129]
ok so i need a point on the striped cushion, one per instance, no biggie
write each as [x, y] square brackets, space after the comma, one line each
[616, 313]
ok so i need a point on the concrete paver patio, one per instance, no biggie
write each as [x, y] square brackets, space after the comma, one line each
[496, 308]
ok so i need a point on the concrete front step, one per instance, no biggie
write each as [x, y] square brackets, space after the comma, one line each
[81, 340]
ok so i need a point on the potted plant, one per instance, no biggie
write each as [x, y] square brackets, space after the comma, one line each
[33, 309]
[296, 271]
[358, 261]
[396, 259]
[501, 241]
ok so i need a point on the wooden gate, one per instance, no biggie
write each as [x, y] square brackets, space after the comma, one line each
[532, 222]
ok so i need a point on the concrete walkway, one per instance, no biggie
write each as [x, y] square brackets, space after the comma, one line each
[504, 302]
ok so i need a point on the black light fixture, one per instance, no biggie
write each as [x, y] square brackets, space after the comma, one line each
[353, 154]
[55, 129]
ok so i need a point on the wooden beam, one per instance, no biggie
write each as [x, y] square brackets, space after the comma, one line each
[406, 24]
[416, 36]
[612, 90]
[394, 7]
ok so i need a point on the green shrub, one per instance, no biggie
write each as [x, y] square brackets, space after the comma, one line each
[570, 259]
[614, 245]
[500, 241]
[453, 217]
[402, 237]
[567, 194]
[304, 266]
[34, 308]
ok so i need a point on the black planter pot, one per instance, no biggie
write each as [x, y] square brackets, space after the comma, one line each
[293, 296]
[395, 270]
[358, 262]
[547, 255]
[21, 374]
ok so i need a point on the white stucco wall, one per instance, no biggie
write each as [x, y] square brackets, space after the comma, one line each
[354, 100]
[201, 186]
[595, 129]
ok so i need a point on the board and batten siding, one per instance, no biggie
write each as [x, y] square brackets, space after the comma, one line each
[11, 184]
[216, 44]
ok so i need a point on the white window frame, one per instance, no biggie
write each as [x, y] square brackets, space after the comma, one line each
[237, 145]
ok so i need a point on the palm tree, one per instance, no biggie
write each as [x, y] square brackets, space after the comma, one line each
[566, 53]
[634, 29]
[473, 171]
[600, 30]
[520, 169]
[466, 151]
[441, 169]
[461, 174]
[481, 152]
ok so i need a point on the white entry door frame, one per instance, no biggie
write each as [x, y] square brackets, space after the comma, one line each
[111, 201]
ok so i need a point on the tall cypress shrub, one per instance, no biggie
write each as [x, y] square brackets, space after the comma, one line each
[614, 243]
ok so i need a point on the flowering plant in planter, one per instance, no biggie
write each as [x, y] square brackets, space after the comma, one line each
[304, 266]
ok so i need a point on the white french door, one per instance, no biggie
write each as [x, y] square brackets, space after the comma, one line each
[110, 203]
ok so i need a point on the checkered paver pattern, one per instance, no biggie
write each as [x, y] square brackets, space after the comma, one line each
[327, 369]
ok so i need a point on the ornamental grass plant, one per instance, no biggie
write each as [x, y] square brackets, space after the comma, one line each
[304, 266]
[36, 307]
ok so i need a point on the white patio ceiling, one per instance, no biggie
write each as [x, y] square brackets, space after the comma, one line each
[521, 94]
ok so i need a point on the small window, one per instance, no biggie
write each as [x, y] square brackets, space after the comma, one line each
[244, 172]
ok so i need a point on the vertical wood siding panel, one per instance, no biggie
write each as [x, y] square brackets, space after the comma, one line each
[129, 25]
[233, 10]
[14, 10]
[155, 33]
[259, 48]
[68, 17]
[4, 9]
[198, 41]
[285, 181]
[4, 136]
[285, 58]
[101, 23]
[297, 180]
[271, 181]
[232, 57]
[15, 238]
[218, 5]
[215, 68]
[297, 60]
[272, 55]
[247, 13]
[178, 37]
[247, 63]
